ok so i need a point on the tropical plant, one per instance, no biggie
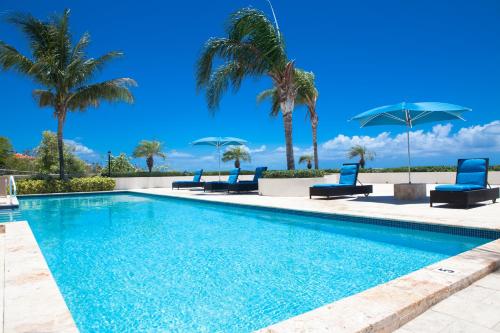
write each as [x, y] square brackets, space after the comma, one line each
[307, 95]
[306, 159]
[236, 154]
[253, 47]
[149, 149]
[6, 150]
[47, 157]
[363, 153]
[120, 164]
[304, 173]
[63, 69]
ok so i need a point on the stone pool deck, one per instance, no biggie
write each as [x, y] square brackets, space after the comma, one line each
[475, 309]
[29, 297]
[380, 204]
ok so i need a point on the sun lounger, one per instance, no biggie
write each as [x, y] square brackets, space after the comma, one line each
[346, 186]
[196, 182]
[471, 185]
[223, 185]
[248, 185]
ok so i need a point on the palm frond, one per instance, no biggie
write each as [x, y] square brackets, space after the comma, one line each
[272, 95]
[116, 90]
[81, 70]
[147, 148]
[230, 72]
[10, 58]
[252, 47]
[305, 158]
[44, 97]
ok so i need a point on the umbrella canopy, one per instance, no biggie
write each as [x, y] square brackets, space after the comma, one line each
[219, 142]
[410, 114]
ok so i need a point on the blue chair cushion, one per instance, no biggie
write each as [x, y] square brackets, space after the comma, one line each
[258, 173]
[472, 172]
[197, 175]
[331, 185]
[348, 174]
[233, 176]
[458, 187]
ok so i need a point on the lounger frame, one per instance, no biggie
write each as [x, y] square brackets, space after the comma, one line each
[187, 184]
[466, 198]
[335, 191]
[215, 186]
[243, 186]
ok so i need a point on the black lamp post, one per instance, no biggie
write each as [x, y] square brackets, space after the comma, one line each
[109, 163]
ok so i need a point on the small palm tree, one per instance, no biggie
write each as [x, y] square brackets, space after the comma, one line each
[63, 69]
[363, 153]
[253, 47]
[306, 158]
[307, 95]
[149, 149]
[236, 154]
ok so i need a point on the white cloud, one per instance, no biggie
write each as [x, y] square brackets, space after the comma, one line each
[438, 141]
[282, 149]
[85, 153]
[260, 149]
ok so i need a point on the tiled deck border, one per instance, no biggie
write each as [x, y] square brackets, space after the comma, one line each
[32, 301]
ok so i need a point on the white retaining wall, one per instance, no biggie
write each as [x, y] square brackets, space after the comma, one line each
[293, 186]
[416, 177]
[129, 183]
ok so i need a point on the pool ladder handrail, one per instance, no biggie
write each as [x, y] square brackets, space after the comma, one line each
[12, 189]
[12, 186]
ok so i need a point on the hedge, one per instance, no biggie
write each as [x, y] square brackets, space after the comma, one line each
[302, 173]
[172, 173]
[413, 169]
[89, 184]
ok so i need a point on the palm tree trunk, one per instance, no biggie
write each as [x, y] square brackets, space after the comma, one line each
[290, 160]
[314, 124]
[60, 142]
[150, 162]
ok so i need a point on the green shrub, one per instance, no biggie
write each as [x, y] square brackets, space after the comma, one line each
[294, 173]
[89, 184]
[436, 168]
[174, 173]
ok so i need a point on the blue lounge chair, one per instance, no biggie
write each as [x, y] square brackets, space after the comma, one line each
[471, 185]
[196, 182]
[346, 186]
[248, 185]
[223, 185]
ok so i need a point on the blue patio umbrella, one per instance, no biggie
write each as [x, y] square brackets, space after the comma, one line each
[410, 114]
[219, 142]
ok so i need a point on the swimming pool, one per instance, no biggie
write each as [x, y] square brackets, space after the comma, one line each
[129, 262]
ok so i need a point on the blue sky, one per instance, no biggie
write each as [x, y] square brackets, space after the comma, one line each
[364, 54]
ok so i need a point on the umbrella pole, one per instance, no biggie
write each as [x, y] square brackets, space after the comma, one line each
[409, 159]
[218, 149]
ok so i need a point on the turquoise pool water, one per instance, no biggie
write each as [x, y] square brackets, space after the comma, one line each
[133, 263]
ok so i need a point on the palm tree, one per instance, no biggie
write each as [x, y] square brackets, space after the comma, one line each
[63, 69]
[149, 149]
[307, 95]
[253, 47]
[363, 153]
[306, 158]
[236, 154]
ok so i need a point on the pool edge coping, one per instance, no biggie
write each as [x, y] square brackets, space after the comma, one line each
[32, 300]
[388, 306]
